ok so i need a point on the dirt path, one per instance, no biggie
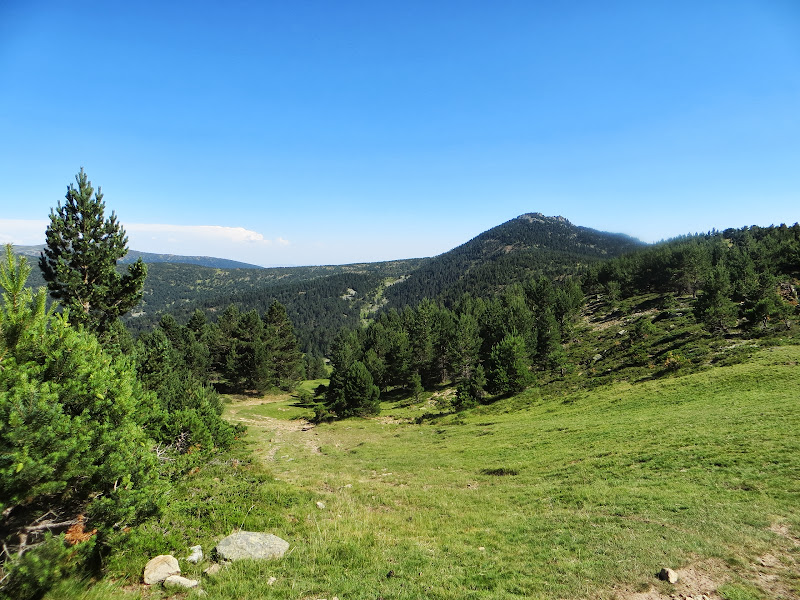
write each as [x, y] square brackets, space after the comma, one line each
[278, 432]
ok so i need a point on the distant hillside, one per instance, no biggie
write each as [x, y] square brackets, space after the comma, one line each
[319, 300]
[322, 299]
[532, 244]
[149, 257]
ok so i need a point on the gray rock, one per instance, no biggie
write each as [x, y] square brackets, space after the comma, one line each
[212, 570]
[253, 545]
[159, 568]
[196, 556]
[182, 582]
[668, 575]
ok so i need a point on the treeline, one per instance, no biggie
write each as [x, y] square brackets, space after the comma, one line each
[239, 353]
[480, 345]
[737, 276]
[496, 345]
[96, 426]
[317, 309]
[318, 300]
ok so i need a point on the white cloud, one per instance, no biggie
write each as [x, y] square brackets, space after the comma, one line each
[23, 232]
[236, 243]
[208, 233]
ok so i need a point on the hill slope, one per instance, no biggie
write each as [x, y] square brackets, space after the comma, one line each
[319, 300]
[581, 495]
[32, 252]
[531, 244]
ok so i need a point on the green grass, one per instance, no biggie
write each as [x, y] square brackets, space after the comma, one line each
[563, 496]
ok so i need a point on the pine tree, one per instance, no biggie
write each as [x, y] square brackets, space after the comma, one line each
[283, 351]
[714, 307]
[70, 443]
[362, 396]
[464, 347]
[509, 372]
[79, 262]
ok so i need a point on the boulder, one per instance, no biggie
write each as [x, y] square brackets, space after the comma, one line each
[159, 568]
[181, 582]
[668, 575]
[253, 545]
[196, 556]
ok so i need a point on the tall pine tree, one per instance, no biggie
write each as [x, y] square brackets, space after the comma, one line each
[79, 262]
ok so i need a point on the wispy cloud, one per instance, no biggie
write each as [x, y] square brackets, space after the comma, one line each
[22, 232]
[208, 240]
[208, 233]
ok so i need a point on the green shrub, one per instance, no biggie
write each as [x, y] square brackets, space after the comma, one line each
[32, 574]
[70, 441]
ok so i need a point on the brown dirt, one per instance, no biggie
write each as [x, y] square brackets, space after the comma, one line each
[773, 574]
[284, 432]
[695, 582]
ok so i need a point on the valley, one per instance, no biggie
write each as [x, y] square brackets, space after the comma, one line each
[644, 416]
[578, 495]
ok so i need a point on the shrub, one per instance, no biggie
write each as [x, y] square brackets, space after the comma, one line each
[70, 443]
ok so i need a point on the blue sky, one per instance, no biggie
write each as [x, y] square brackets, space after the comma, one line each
[293, 133]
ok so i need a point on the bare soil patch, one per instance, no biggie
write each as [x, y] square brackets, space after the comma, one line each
[771, 573]
[282, 431]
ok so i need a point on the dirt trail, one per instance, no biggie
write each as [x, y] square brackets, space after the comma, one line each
[279, 432]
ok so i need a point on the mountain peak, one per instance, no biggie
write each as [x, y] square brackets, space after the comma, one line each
[538, 217]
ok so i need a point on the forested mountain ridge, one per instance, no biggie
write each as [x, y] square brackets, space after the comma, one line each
[150, 257]
[529, 245]
[318, 308]
[170, 284]
[320, 300]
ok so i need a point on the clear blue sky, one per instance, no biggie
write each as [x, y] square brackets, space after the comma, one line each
[319, 132]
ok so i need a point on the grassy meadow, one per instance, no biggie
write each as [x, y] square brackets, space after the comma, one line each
[586, 494]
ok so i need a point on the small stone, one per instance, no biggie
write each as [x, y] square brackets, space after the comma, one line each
[320, 504]
[196, 555]
[159, 568]
[668, 575]
[213, 570]
[481, 548]
[182, 582]
[272, 580]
